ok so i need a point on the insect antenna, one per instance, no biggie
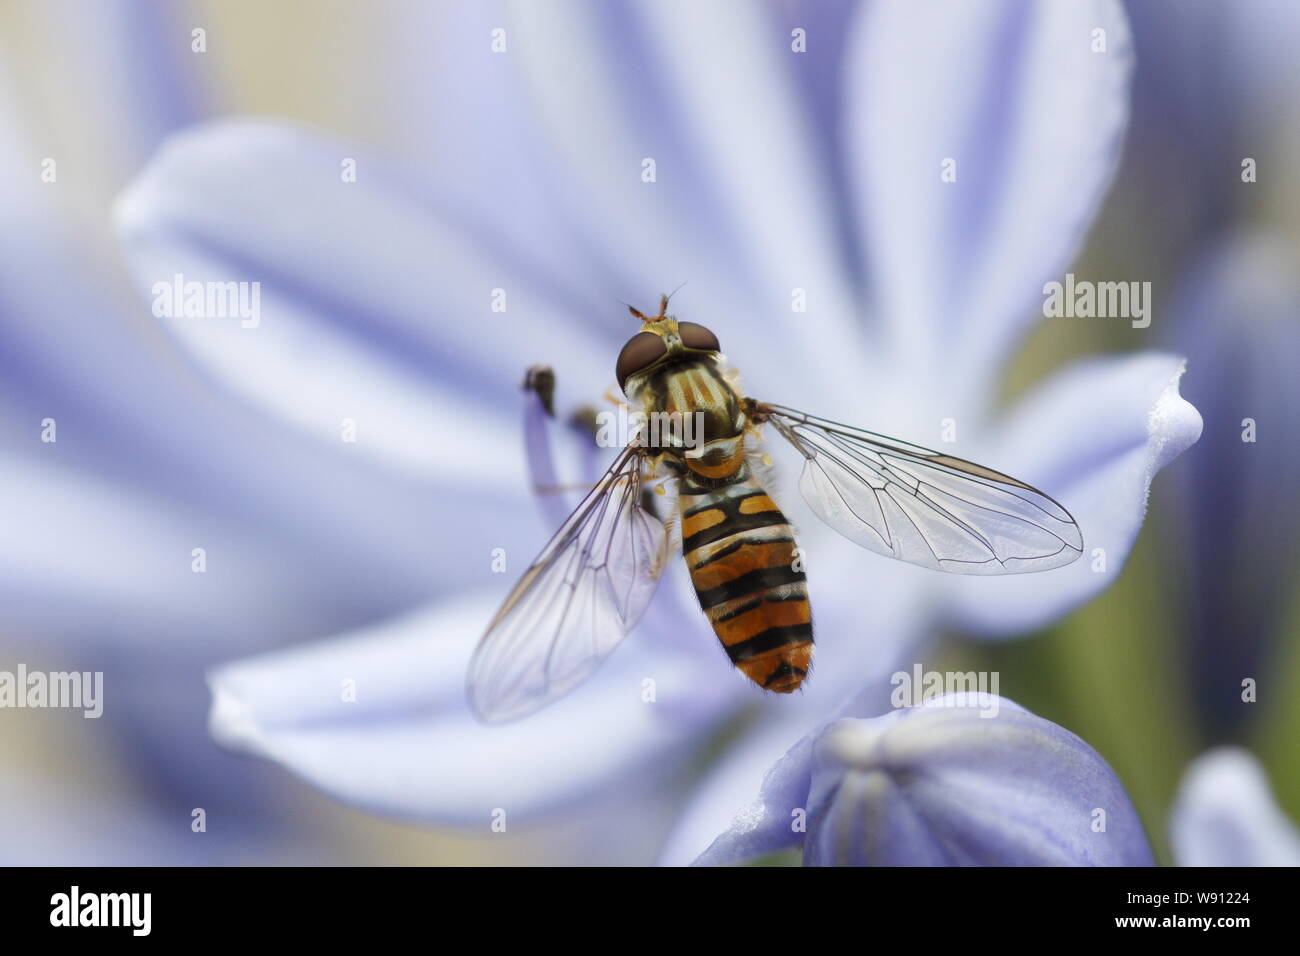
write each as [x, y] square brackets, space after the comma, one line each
[663, 301]
[663, 307]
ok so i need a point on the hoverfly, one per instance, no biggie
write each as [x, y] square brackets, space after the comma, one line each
[595, 577]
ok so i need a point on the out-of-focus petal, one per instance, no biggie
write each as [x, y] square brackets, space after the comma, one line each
[99, 576]
[571, 127]
[1214, 85]
[1238, 322]
[749, 829]
[303, 537]
[95, 567]
[1000, 87]
[42, 825]
[1225, 815]
[134, 79]
[827, 26]
[1093, 437]
[956, 780]
[698, 220]
[407, 745]
[373, 304]
[582, 94]
[494, 173]
[730, 70]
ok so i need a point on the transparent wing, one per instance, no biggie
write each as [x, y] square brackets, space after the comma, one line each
[922, 506]
[575, 603]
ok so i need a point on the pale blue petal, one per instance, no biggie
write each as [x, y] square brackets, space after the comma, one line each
[374, 306]
[738, 210]
[46, 825]
[1094, 436]
[1013, 92]
[978, 781]
[731, 73]
[1225, 814]
[409, 747]
[303, 537]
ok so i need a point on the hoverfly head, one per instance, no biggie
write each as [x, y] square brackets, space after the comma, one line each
[661, 339]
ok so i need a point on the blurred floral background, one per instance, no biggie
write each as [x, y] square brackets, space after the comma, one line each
[502, 147]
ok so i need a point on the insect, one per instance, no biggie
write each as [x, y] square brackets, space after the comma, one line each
[596, 576]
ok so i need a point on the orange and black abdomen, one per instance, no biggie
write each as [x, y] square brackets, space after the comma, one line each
[741, 555]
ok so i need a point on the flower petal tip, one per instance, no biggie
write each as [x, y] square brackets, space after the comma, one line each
[1173, 423]
[231, 724]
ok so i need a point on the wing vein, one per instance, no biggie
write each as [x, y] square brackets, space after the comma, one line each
[957, 511]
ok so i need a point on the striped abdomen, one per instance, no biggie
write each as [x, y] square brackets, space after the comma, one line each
[740, 552]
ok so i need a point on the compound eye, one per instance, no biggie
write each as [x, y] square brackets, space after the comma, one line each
[698, 337]
[641, 350]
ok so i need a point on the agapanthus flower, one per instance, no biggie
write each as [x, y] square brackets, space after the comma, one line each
[775, 177]
[965, 779]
